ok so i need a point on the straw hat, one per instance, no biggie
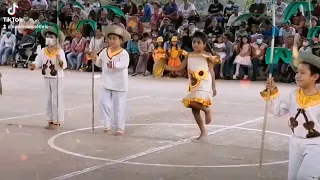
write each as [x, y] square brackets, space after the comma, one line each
[160, 39]
[301, 56]
[174, 39]
[55, 31]
[114, 29]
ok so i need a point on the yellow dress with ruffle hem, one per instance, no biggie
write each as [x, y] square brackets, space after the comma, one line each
[200, 80]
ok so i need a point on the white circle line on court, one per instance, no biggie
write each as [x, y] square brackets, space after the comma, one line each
[52, 145]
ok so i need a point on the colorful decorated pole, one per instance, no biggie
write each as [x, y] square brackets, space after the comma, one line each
[273, 6]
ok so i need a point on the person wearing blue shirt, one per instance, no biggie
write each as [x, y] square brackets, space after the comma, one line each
[267, 33]
[147, 12]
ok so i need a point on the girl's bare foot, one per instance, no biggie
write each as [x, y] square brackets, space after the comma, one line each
[202, 135]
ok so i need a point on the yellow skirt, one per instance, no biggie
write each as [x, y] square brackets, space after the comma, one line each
[201, 97]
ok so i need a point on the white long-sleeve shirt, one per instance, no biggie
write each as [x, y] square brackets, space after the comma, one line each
[232, 19]
[115, 79]
[289, 105]
[42, 59]
[8, 42]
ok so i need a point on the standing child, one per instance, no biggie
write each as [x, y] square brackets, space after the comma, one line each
[133, 50]
[220, 48]
[243, 58]
[202, 84]
[143, 46]
[174, 53]
[52, 60]
[114, 62]
[303, 107]
[159, 57]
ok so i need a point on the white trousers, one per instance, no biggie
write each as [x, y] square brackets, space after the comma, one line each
[113, 108]
[54, 100]
[304, 159]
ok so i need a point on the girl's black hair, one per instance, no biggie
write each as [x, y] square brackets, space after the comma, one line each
[314, 70]
[51, 33]
[200, 35]
[241, 42]
[156, 46]
[115, 35]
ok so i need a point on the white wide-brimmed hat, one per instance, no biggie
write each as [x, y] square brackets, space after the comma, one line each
[117, 30]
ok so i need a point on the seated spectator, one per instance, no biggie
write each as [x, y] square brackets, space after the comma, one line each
[135, 25]
[306, 45]
[258, 51]
[130, 8]
[40, 19]
[157, 13]
[192, 28]
[169, 31]
[73, 26]
[27, 24]
[286, 31]
[80, 13]
[228, 11]
[7, 45]
[67, 47]
[214, 28]
[258, 8]
[253, 33]
[87, 7]
[220, 48]
[267, 32]
[117, 21]
[170, 10]
[103, 20]
[78, 45]
[187, 10]
[154, 33]
[39, 4]
[215, 10]
[66, 15]
[147, 11]
[242, 31]
[184, 24]
[24, 5]
[243, 58]
[163, 26]
[133, 51]
[97, 43]
[314, 21]
[279, 17]
[299, 23]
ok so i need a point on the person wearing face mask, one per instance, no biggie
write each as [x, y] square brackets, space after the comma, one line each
[26, 22]
[7, 44]
[279, 17]
[52, 61]
[257, 56]
[228, 11]
[306, 45]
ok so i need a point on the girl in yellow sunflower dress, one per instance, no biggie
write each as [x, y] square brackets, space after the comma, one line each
[159, 57]
[202, 86]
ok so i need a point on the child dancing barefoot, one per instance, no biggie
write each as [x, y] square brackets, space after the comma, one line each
[202, 84]
[303, 107]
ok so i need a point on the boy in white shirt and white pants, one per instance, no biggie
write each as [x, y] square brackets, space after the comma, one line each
[114, 62]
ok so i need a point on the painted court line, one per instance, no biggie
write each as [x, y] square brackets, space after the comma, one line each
[214, 102]
[153, 150]
[68, 109]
